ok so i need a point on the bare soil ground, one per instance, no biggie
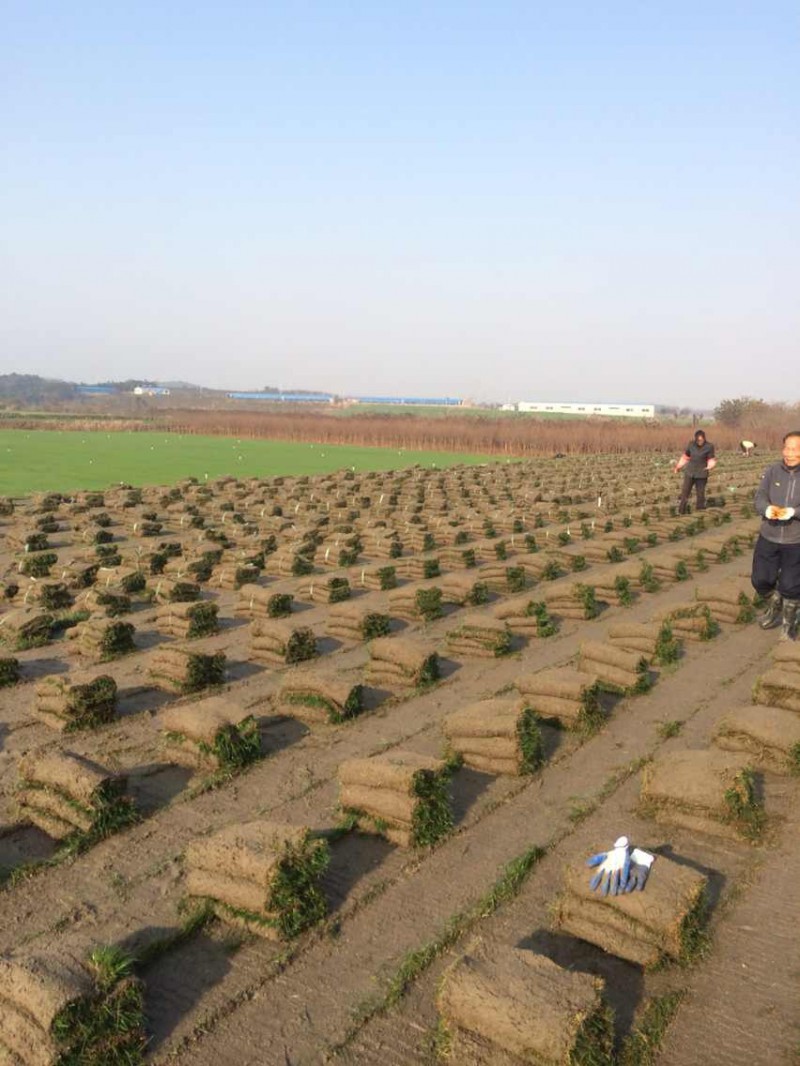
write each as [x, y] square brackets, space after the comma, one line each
[361, 987]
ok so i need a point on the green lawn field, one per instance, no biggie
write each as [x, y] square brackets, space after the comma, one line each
[56, 461]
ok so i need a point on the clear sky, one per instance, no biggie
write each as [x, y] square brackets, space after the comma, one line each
[482, 198]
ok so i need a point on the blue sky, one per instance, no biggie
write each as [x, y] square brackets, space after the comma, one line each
[493, 200]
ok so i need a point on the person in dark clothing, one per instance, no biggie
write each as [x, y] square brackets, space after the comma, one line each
[776, 556]
[697, 461]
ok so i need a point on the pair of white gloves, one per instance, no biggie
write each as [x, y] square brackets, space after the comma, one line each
[782, 514]
[623, 869]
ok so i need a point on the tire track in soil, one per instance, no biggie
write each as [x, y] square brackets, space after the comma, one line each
[309, 1007]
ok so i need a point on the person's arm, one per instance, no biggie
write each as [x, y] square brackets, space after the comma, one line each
[761, 498]
[711, 458]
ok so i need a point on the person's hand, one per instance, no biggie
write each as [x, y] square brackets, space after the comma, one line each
[641, 861]
[613, 868]
[711, 463]
[779, 514]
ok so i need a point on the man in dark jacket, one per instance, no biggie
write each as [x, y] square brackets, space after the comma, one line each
[696, 462]
[776, 557]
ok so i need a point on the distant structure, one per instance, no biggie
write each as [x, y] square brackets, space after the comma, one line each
[150, 390]
[96, 390]
[284, 397]
[410, 401]
[619, 410]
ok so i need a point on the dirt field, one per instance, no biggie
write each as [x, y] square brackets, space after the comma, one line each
[361, 985]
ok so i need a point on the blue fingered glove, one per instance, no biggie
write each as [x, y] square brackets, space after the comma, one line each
[613, 868]
[641, 861]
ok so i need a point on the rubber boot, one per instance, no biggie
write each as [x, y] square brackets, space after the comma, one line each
[772, 613]
[789, 620]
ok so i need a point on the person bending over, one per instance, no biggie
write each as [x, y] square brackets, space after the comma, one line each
[776, 556]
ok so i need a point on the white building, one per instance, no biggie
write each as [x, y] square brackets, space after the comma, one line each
[620, 410]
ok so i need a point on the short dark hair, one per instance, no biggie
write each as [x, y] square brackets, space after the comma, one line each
[699, 433]
[791, 433]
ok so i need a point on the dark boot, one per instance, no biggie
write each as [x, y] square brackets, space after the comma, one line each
[772, 613]
[789, 620]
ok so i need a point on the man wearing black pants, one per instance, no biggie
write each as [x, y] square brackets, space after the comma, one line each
[776, 557]
[696, 462]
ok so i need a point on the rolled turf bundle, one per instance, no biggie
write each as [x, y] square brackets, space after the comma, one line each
[261, 875]
[786, 656]
[479, 635]
[665, 922]
[49, 595]
[319, 695]
[616, 669]
[187, 620]
[728, 601]
[669, 566]
[400, 795]
[361, 620]
[655, 640]
[705, 791]
[97, 600]
[769, 735]
[778, 688]
[234, 577]
[418, 567]
[169, 590]
[570, 599]
[375, 578]
[100, 639]
[71, 703]
[402, 662]
[67, 795]
[614, 589]
[689, 621]
[563, 695]
[259, 602]
[9, 672]
[26, 627]
[212, 733]
[421, 600]
[497, 736]
[276, 642]
[464, 590]
[508, 575]
[56, 1010]
[515, 1005]
[326, 588]
[457, 558]
[526, 616]
[185, 670]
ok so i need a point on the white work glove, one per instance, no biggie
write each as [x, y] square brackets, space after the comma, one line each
[781, 514]
[613, 868]
[641, 861]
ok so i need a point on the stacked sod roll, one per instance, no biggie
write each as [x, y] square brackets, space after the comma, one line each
[518, 1006]
[616, 669]
[707, 791]
[75, 701]
[187, 621]
[360, 620]
[213, 733]
[496, 736]
[728, 601]
[769, 736]
[319, 694]
[101, 640]
[479, 636]
[67, 795]
[401, 795]
[402, 662]
[278, 642]
[563, 695]
[57, 1009]
[261, 875]
[186, 670]
[665, 922]
[654, 640]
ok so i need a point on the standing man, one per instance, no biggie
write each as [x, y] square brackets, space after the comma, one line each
[776, 557]
[696, 462]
